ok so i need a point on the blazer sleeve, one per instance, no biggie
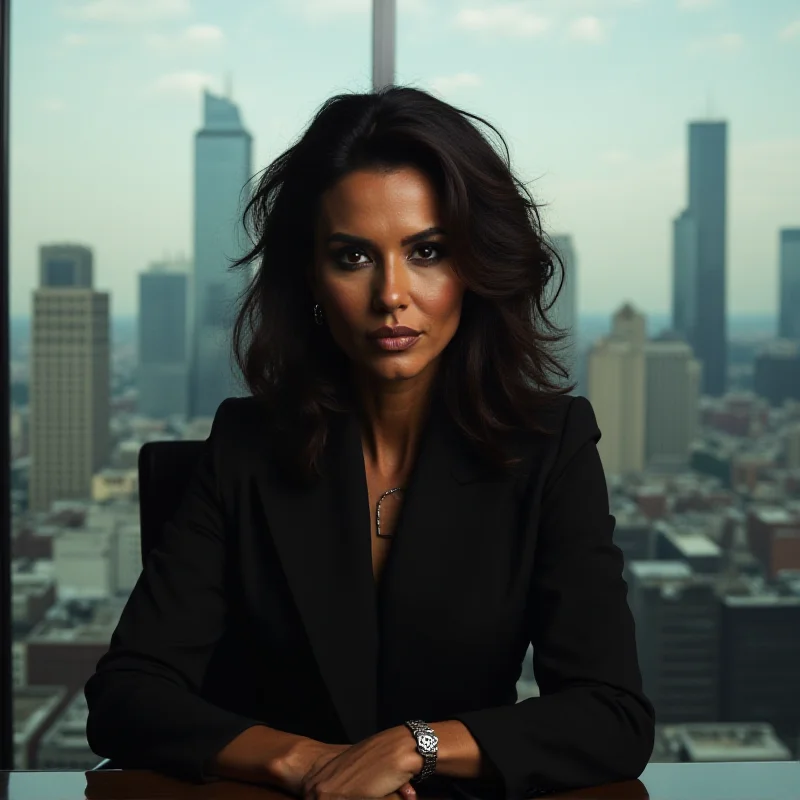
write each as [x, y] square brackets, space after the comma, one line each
[592, 723]
[145, 709]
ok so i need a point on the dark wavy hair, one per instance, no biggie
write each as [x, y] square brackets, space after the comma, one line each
[500, 370]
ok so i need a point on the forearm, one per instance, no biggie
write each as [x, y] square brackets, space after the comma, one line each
[257, 755]
[459, 754]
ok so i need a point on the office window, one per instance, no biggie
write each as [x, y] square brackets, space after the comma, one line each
[657, 138]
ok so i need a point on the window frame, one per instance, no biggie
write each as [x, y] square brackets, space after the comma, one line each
[6, 696]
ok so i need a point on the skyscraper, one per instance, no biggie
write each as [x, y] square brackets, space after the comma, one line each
[684, 274]
[789, 292]
[677, 615]
[672, 404]
[69, 377]
[223, 166]
[617, 392]
[163, 371]
[760, 650]
[564, 311]
[707, 207]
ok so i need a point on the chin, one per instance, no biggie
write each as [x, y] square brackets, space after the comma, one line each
[398, 370]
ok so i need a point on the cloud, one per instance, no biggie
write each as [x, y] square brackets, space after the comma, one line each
[445, 84]
[185, 83]
[720, 43]
[75, 39]
[194, 36]
[204, 34]
[129, 11]
[324, 10]
[508, 19]
[584, 6]
[696, 5]
[791, 31]
[588, 29]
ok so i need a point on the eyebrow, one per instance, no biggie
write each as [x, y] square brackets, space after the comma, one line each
[360, 240]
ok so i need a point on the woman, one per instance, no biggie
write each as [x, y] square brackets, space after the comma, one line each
[406, 501]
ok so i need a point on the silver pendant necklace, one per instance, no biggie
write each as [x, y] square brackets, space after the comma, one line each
[378, 513]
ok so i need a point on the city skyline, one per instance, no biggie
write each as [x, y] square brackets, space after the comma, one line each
[615, 190]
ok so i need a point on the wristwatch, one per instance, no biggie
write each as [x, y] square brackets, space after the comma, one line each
[427, 747]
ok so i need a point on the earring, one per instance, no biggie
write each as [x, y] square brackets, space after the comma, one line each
[318, 318]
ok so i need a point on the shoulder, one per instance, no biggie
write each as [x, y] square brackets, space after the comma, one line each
[568, 426]
[566, 422]
[578, 424]
[248, 434]
[238, 409]
[238, 421]
[578, 433]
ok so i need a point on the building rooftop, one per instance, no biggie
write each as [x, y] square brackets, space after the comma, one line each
[68, 731]
[660, 570]
[731, 742]
[32, 706]
[774, 515]
[82, 622]
[762, 601]
[694, 545]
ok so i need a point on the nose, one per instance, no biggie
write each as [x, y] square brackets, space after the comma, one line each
[391, 285]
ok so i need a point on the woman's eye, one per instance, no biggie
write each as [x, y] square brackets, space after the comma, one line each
[423, 253]
[430, 252]
[349, 258]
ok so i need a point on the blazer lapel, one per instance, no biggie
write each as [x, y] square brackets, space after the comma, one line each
[360, 636]
[322, 535]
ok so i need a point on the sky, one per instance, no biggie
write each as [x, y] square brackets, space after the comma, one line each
[592, 96]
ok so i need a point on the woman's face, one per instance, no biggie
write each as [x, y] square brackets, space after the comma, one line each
[383, 274]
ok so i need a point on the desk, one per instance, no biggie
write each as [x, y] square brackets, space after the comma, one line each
[736, 781]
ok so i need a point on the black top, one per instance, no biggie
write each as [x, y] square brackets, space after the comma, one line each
[260, 606]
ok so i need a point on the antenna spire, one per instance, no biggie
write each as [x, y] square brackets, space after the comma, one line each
[229, 86]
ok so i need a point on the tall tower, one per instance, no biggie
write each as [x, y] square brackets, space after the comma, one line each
[617, 392]
[69, 377]
[789, 299]
[223, 166]
[684, 274]
[163, 370]
[384, 23]
[708, 143]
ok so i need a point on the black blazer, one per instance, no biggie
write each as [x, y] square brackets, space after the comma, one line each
[260, 607]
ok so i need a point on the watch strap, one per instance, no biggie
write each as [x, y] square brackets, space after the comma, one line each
[427, 747]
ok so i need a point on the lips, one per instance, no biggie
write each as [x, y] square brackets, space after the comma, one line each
[392, 332]
[395, 338]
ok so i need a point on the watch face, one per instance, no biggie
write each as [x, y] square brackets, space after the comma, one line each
[427, 743]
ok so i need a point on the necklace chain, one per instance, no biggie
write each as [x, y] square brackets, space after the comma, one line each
[378, 512]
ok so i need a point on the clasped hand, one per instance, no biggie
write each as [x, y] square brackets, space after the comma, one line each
[378, 767]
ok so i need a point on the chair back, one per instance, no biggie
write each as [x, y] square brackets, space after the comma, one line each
[165, 470]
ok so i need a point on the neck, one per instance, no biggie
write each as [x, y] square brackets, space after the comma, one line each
[393, 415]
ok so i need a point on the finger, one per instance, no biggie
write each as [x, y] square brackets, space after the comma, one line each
[408, 792]
[314, 773]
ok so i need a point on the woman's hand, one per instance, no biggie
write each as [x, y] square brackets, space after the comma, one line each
[304, 757]
[376, 767]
